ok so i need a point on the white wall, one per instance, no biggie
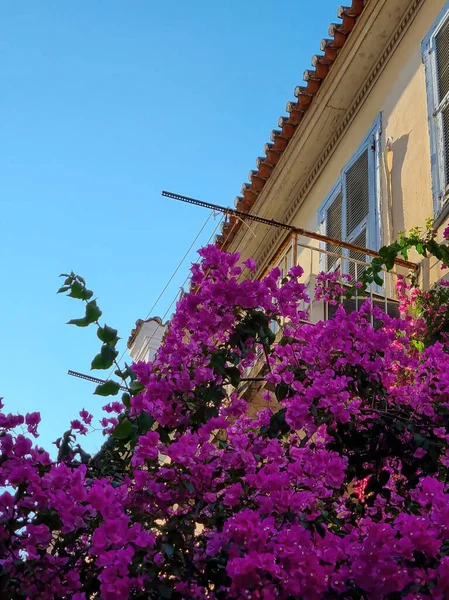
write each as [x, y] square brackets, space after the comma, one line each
[147, 341]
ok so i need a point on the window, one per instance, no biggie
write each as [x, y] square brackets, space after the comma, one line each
[436, 61]
[350, 212]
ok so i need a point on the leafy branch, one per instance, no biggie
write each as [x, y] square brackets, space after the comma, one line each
[74, 286]
[425, 244]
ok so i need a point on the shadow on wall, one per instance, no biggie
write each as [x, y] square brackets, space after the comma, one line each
[399, 148]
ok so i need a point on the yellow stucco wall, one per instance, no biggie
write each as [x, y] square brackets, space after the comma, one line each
[400, 96]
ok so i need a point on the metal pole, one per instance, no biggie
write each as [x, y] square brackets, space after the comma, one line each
[298, 230]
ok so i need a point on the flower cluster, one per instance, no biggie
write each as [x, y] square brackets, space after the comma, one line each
[336, 489]
[331, 287]
[406, 294]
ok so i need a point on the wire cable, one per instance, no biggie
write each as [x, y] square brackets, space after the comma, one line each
[212, 214]
[182, 287]
[179, 266]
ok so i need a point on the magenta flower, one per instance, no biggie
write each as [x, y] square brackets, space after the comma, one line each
[86, 416]
[78, 426]
[32, 420]
[250, 264]
[233, 494]
[312, 466]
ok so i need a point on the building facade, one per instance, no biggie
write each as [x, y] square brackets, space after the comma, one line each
[145, 339]
[363, 152]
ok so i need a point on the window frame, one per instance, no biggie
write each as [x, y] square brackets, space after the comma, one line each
[371, 223]
[440, 187]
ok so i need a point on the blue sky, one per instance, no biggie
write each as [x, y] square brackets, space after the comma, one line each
[104, 104]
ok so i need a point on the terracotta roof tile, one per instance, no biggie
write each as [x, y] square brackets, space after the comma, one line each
[265, 165]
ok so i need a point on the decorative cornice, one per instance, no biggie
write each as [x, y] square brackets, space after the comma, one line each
[262, 257]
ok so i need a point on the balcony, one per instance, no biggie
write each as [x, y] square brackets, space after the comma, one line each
[327, 255]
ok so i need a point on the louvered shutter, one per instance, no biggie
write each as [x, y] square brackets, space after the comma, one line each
[355, 269]
[442, 108]
[436, 61]
[356, 194]
[333, 218]
[356, 189]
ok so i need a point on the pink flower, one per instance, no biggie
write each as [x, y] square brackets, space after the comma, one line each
[250, 264]
[32, 420]
[420, 453]
[78, 426]
[296, 271]
[147, 448]
[86, 416]
[233, 494]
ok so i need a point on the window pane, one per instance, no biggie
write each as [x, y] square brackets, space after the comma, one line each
[333, 229]
[357, 193]
[442, 57]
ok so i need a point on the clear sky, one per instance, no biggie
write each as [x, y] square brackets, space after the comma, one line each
[103, 104]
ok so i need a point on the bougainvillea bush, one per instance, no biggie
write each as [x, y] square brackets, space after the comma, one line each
[338, 489]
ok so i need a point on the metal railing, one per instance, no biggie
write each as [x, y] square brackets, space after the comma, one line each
[316, 258]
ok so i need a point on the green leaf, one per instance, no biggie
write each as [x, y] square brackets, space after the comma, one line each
[123, 430]
[63, 289]
[69, 279]
[136, 387]
[420, 248]
[233, 375]
[377, 279]
[389, 261]
[218, 361]
[109, 388]
[164, 434]
[386, 493]
[278, 425]
[126, 399]
[320, 529]
[123, 374]
[169, 550]
[93, 313]
[106, 358]
[418, 345]
[79, 322]
[79, 291]
[384, 477]
[282, 390]
[189, 485]
[108, 335]
[145, 421]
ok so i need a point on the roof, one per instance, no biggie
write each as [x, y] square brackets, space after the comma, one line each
[139, 324]
[305, 95]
